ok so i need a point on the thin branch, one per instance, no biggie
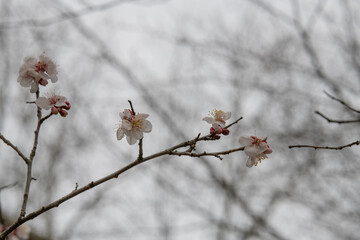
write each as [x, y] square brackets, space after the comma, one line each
[214, 154]
[15, 148]
[326, 147]
[336, 121]
[228, 126]
[29, 177]
[113, 175]
[65, 16]
[140, 156]
[342, 102]
[132, 108]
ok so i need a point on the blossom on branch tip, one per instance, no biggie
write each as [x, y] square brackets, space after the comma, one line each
[217, 118]
[34, 72]
[133, 126]
[57, 104]
[255, 148]
[20, 233]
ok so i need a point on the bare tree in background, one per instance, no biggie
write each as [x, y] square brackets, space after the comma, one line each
[269, 62]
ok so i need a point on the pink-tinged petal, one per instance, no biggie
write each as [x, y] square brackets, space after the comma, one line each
[126, 114]
[61, 102]
[137, 134]
[147, 126]
[254, 150]
[126, 125]
[43, 103]
[245, 140]
[131, 140]
[119, 133]
[209, 120]
[268, 151]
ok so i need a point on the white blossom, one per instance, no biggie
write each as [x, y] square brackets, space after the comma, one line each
[34, 72]
[57, 104]
[133, 126]
[256, 148]
[217, 118]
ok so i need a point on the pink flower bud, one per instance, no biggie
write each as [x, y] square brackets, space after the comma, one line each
[225, 131]
[54, 110]
[62, 112]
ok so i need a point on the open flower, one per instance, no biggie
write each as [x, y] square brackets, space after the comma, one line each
[20, 233]
[255, 148]
[133, 126]
[57, 104]
[34, 72]
[217, 118]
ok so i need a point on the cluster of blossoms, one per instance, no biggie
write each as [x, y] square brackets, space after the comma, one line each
[133, 126]
[20, 233]
[218, 118]
[255, 148]
[35, 72]
[57, 104]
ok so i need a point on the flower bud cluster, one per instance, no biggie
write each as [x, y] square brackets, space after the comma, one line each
[218, 118]
[35, 72]
[256, 148]
[57, 104]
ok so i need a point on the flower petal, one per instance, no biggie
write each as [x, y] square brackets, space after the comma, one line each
[43, 103]
[126, 125]
[137, 134]
[245, 140]
[147, 126]
[227, 116]
[131, 140]
[119, 133]
[34, 87]
[209, 120]
[254, 150]
[141, 116]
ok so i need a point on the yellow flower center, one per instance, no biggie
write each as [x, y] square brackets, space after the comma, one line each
[260, 159]
[137, 123]
[218, 115]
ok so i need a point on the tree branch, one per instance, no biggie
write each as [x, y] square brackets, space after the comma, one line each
[92, 184]
[325, 147]
[26, 160]
[336, 121]
[214, 154]
[342, 102]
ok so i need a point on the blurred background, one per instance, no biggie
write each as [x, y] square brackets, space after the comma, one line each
[268, 61]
